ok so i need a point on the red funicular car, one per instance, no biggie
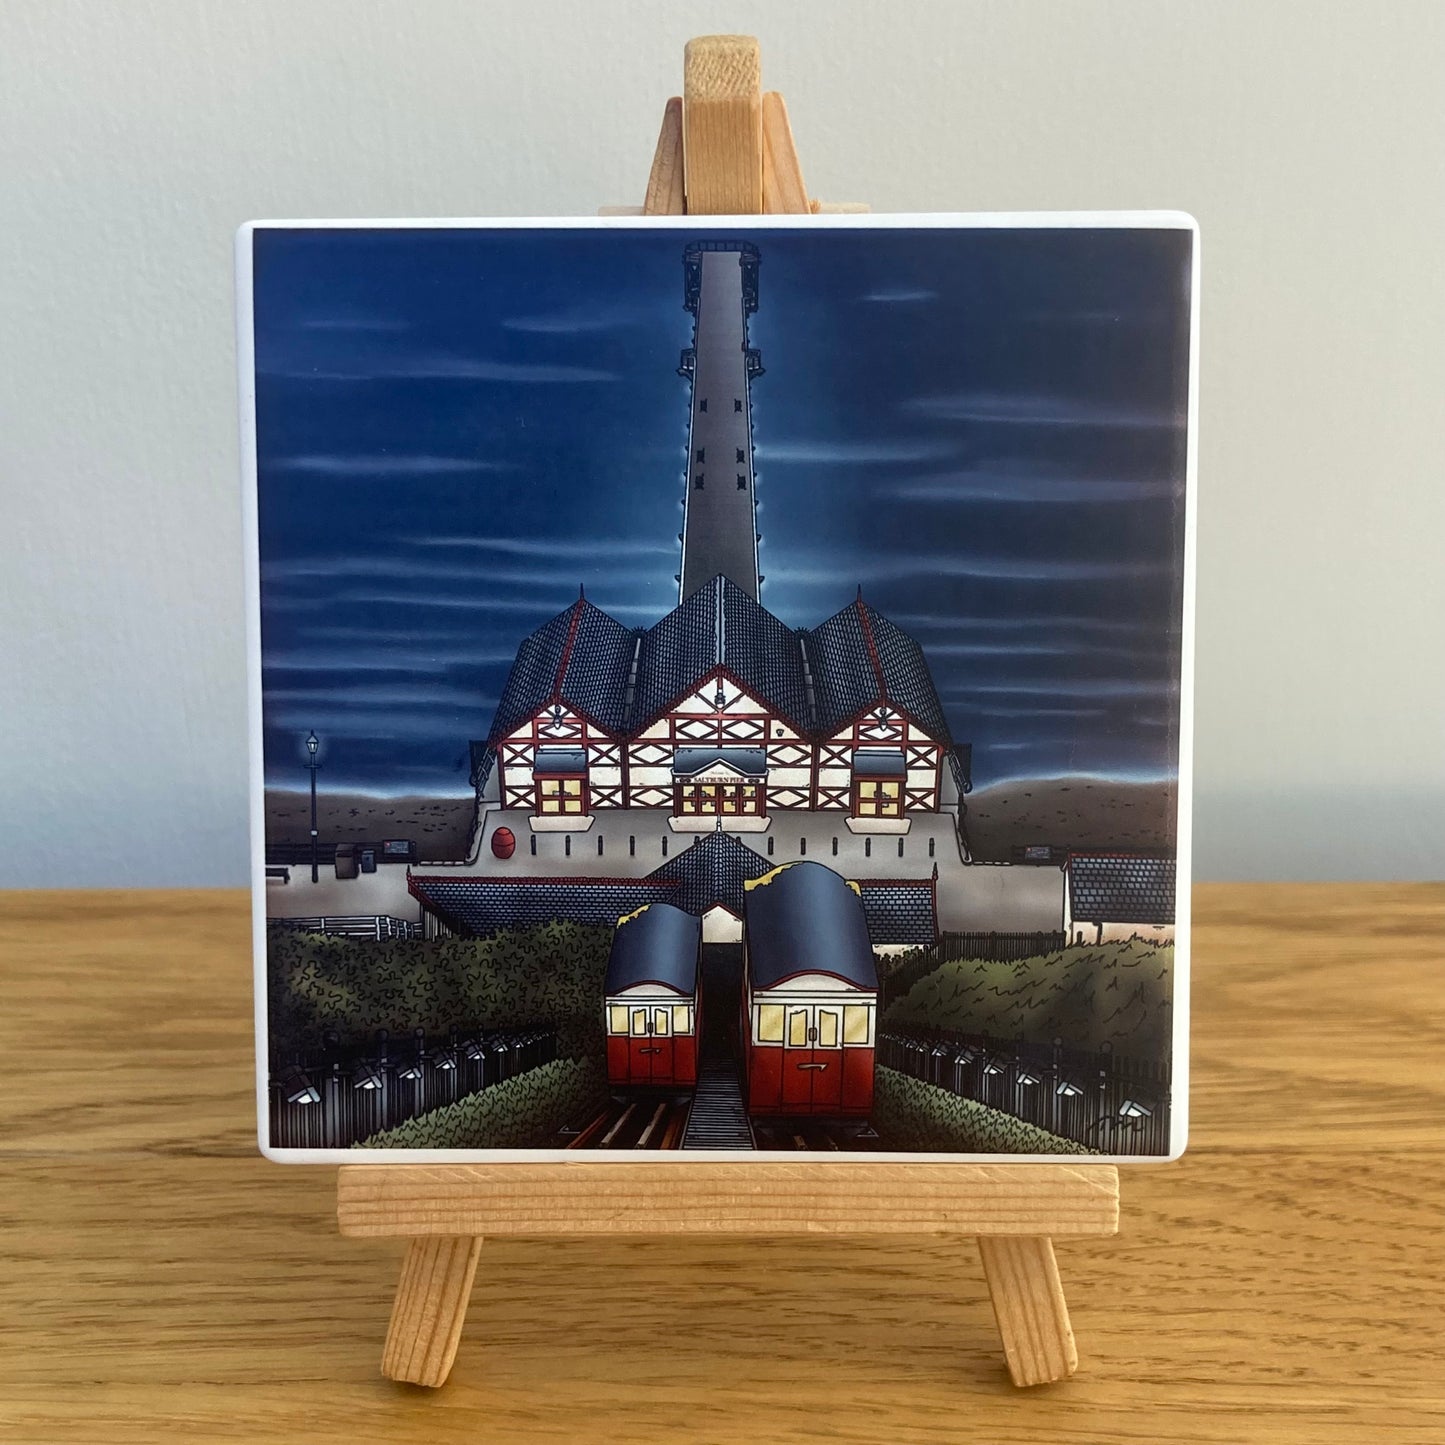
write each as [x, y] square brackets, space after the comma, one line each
[810, 989]
[651, 1003]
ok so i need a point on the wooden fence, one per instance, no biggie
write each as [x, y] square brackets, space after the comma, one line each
[332, 1097]
[1000, 947]
[1110, 1102]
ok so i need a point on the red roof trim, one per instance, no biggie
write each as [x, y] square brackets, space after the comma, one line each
[872, 647]
[566, 658]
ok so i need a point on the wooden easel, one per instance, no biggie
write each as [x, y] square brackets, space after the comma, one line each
[727, 149]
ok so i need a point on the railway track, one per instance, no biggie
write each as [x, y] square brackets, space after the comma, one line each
[634, 1124]
[659, 1124]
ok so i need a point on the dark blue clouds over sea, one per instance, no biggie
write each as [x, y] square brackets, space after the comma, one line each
[984, 429]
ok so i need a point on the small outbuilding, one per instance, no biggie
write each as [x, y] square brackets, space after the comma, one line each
[1114, 896]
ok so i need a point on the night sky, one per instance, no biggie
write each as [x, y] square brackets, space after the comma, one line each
[983, 428]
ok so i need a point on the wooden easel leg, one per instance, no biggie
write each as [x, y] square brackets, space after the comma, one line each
[430, 1309]
[1029, 1305]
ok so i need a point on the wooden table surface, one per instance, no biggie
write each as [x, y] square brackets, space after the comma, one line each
[1284, 1282]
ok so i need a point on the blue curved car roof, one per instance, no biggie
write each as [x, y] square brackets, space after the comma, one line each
[657, 944]
[805, 918]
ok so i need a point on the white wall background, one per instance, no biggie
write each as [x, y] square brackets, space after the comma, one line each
[1307, 137]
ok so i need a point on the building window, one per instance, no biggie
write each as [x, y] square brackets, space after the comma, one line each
[561, 796]
[737, 403]
[697, 482]
[867, 847]
[694, 800]
[567, 845]
[534, 845]
[742, 482]
[702, 405]
[931, 844]
[835, 847]
[742, 456]
[802, 846]
[632, 845]
[701, 454]
[878, 797]
[771, 840]
[900, 847]
[599, 845]
[664, 845]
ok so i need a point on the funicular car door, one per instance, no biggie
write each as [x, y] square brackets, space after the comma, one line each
[797, 1059]
[662, 1045]
[650, 1043]
[827, 1068]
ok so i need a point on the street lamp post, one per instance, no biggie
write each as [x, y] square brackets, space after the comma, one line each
[313, 744]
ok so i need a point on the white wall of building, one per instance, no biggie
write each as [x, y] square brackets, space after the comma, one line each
[1306, 139]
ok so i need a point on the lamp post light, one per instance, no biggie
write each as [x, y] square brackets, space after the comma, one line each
[313, 744]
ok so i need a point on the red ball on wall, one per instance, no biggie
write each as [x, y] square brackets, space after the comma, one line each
[504, 843]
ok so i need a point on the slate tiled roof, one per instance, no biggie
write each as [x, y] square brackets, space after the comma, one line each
[906, 674]
[678, 652]
[1114, 888]
[580, 658]
[476, 907]
[656, 944]
[806, 919]
[712, 871]
[763, 654]
[858, 659]
[899, 912]
[844, 679]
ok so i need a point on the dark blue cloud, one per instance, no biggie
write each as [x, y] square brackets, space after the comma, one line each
[458, 429]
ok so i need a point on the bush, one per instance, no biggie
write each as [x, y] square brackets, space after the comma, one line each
[912, 1115]
[516, 979]
[522, 1112]
[1115, 993]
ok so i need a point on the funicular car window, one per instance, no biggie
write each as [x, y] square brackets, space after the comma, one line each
[662, 1021]
[855, 1023]
[639, 1023]
[770, 1023]
[681, 1018]
[617, 1018]
[797, 1028]
[827, 1028]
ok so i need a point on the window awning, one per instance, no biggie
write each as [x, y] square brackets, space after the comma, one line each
[559, 762]
[746, 762]
[879, 763]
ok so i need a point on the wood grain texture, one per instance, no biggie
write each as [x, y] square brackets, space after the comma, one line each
[429, 1309]
[665, 195]
[722, 125]
[783, 190]
[1284, 1284]
[756, 1198]
[1029, 1308]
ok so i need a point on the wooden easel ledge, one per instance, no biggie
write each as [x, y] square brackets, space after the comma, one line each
[726, 148]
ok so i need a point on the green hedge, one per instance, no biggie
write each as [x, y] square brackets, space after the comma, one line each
[546, 974]
[522, 1112]
[1119, 993]
[914, 1116]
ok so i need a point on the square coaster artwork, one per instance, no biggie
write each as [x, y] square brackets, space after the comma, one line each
[720, 687]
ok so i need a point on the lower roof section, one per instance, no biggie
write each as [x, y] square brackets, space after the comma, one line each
[709, 874]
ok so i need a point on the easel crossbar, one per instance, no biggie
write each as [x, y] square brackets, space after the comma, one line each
[750, 1198]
